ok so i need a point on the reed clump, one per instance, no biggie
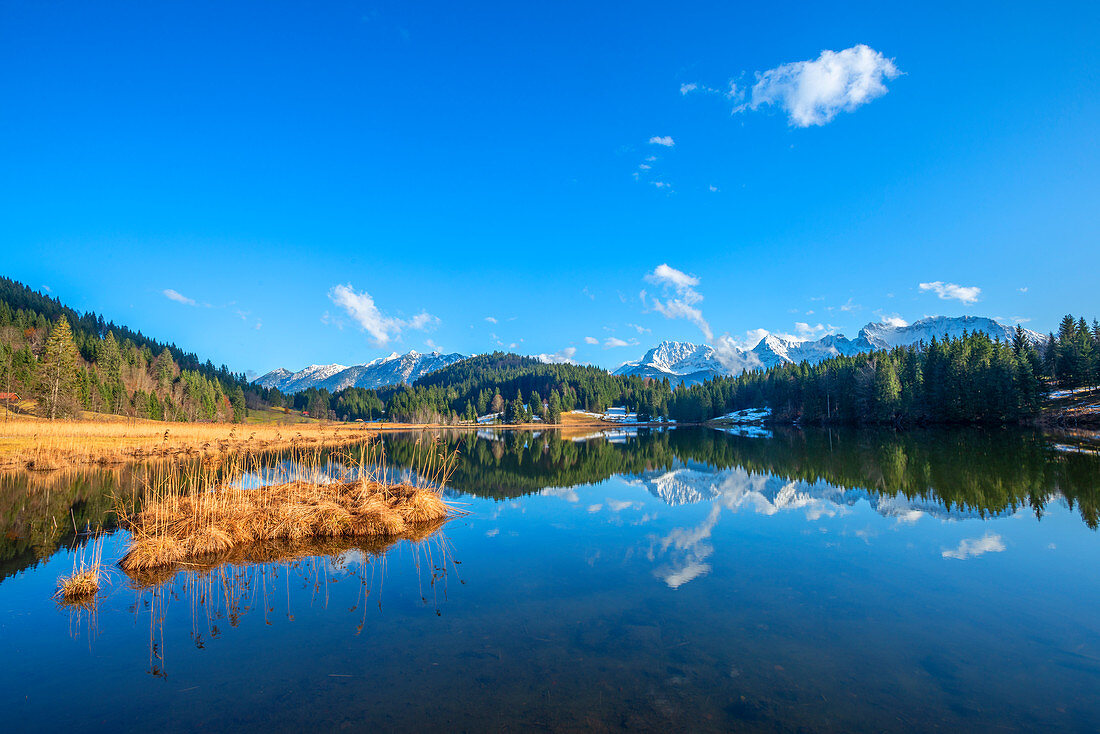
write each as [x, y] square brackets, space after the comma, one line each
[203, 519]
[83, 585]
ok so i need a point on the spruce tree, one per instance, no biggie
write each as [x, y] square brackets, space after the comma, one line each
[886, 389]
[240, 408]
[553, 413]
[57, 373]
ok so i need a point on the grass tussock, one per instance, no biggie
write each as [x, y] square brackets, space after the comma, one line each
[208, 519]
[83, 585]
[283, 551]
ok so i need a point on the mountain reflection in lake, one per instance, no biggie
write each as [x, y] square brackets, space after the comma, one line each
[687, 578]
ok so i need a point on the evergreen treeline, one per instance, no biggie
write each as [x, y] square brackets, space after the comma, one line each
[1072, 358]
[971, 379]
[71, 362]
[514, 386]
[967, 470]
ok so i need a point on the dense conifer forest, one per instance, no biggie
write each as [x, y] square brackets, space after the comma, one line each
[71, 362]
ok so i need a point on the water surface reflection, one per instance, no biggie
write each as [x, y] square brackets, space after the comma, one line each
[685, 579]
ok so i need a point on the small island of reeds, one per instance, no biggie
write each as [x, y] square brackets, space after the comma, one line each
[212, 517]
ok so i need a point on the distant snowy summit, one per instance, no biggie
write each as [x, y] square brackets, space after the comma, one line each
[679, 361]
[687, 362]
[392, 370]
[693, 363]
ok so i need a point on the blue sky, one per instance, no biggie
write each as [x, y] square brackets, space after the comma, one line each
[329, 184]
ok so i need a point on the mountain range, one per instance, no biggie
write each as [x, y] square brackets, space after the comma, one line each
[392, 370]
[692, 363]
[679, 361]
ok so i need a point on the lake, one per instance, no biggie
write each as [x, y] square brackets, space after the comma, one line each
[680, 579]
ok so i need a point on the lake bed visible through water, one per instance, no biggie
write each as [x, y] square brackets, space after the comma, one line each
[688, 578]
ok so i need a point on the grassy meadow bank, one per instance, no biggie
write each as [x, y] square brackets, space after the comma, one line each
[28, 442]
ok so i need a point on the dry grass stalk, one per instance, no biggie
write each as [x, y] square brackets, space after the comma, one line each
[203, 517]
[82, 586]
[43, 445]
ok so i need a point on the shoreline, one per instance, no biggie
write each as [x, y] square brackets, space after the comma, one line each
[40, 445]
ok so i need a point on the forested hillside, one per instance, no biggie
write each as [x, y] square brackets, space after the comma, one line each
[72, 361]
[970, 379]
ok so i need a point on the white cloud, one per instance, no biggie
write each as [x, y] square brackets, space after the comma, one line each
[734, 354]
[850, 306]
[664, 274]
[677, 577]
[713, 189]
[988, 543]
[565, 356]
[422, 321]
[814, 92]
[681, 297]
[689, 87]
[614, 341]
[896, 321]
[661, 184]
[808, 331]
[638, 328]
[966, 294]
[565, 493]
[178, 297]
[490, 319]
[382, 328]
[1022, 290]
[677, 309]
[665, 140]
[591, 340]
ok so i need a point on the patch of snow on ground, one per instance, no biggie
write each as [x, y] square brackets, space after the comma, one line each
[748, 415]
[1058, 394]
[748, 431]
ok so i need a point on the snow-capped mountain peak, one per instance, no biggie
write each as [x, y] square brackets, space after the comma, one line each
[675, 360]
[391, 370]
[691, 363]
[886, 335]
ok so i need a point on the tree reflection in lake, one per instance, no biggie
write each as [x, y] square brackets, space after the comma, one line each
[680, 579]
[961, 472]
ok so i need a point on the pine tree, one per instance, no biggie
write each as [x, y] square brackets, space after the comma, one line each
[886, 389]
[240, 408]
[1066, 362]
[1050, 357]
[57, 373]
[109, 360]
[553, 412]
[164, 368]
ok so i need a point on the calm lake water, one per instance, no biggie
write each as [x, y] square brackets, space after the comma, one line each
[688, 579]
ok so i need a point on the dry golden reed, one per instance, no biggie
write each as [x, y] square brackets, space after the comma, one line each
[44, 445]
[203, 517]
[82, 586]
